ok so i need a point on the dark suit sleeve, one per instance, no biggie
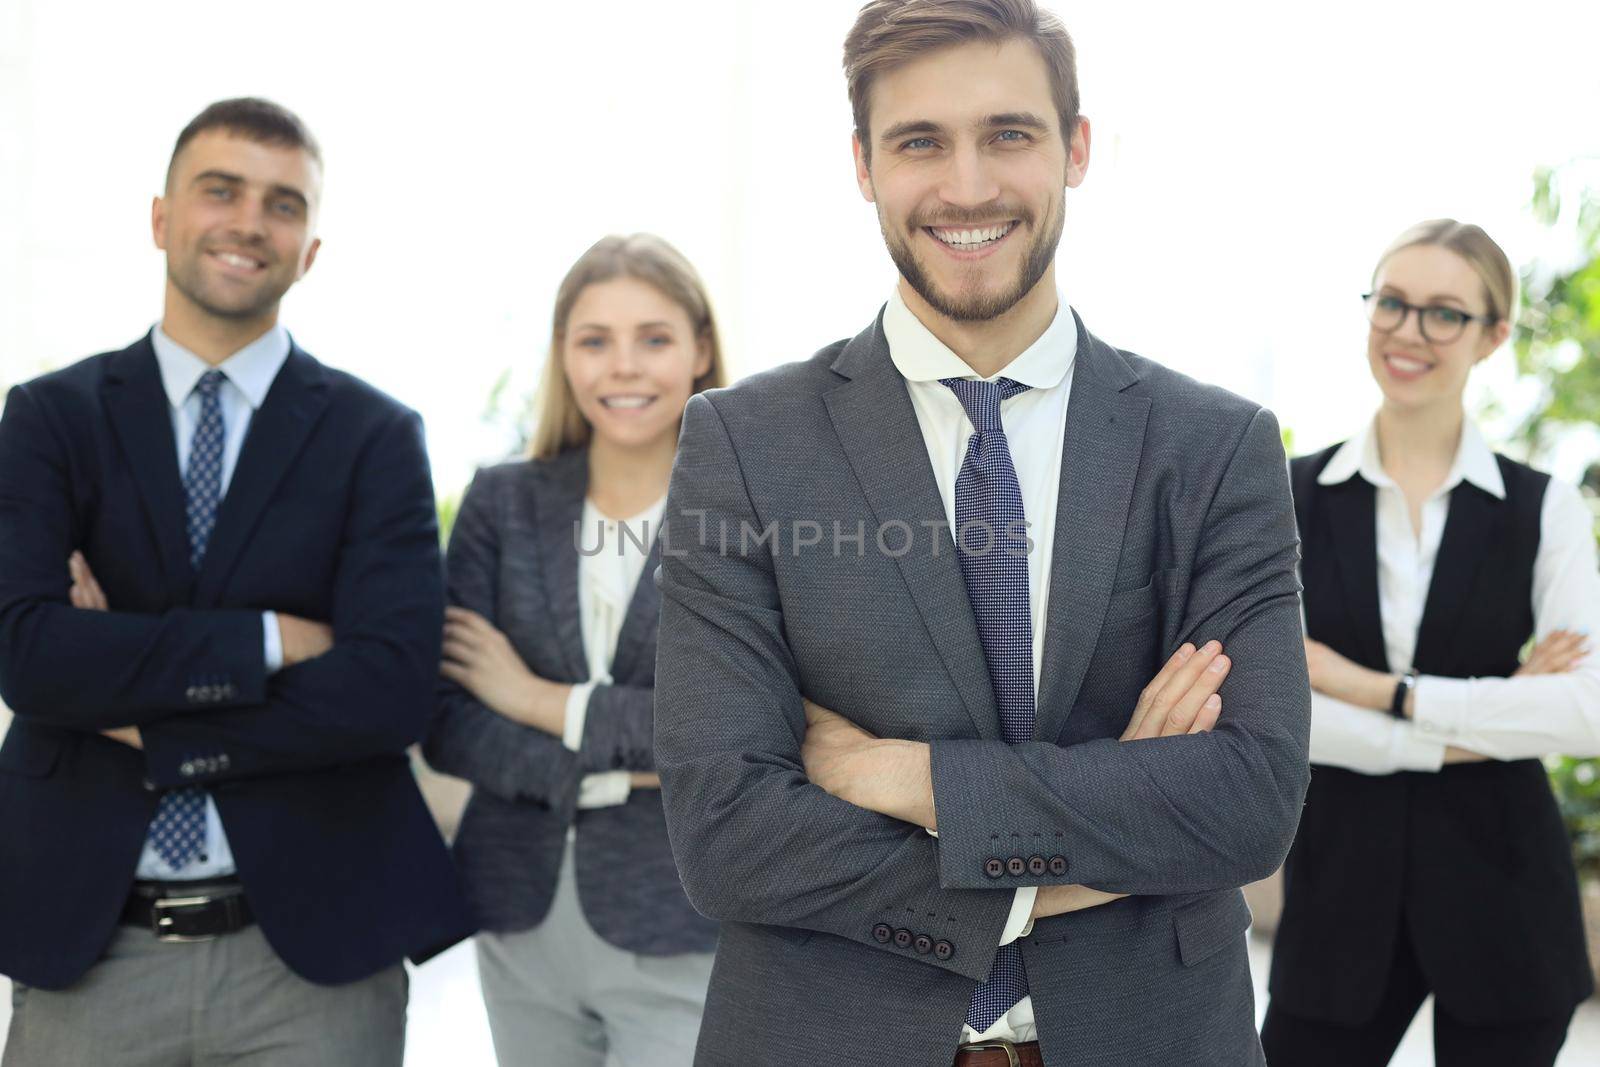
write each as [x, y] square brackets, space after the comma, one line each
[1171, 815]
[467, 739]
[619, 729]
[754, 840]
[372, 695]
[93, 670]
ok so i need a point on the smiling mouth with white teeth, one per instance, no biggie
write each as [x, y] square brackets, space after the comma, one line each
[626, 403]
[972, 238]
[1407, 365]
[234, 259]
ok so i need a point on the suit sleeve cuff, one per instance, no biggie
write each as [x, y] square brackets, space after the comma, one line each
[1441, 706]
[577, 715]
[1020, 922]
[272, 642]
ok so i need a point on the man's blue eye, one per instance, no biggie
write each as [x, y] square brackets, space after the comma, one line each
[918, 143]
[1012, 135]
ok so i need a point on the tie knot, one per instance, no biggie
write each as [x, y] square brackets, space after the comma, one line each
[982, 399]
[209, 383]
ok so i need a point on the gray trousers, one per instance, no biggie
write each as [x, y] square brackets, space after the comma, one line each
[229, 1001]
[559, 996]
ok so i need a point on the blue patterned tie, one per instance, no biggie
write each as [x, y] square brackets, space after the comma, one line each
[990, 548]
[178, 831]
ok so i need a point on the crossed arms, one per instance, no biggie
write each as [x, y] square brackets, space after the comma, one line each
[1174, 810]
[369, 694]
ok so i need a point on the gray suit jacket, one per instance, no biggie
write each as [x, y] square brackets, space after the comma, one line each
[513, 559]
[853, 938]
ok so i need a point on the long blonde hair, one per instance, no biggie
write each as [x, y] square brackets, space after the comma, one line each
[559, 424]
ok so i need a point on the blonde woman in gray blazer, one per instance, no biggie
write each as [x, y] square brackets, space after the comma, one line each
[589, 945]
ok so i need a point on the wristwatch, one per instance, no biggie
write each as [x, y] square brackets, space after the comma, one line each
[1402, 689]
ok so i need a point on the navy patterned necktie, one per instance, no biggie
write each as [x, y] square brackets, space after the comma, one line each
[989, 546]
[178, 831]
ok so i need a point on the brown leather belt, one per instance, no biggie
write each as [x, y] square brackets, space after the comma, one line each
[188, 911]
[996, 1053]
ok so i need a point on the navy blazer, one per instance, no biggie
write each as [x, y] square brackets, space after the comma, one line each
[513, 559]
[329, 515]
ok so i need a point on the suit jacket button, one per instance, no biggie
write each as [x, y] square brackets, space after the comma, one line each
[882, 933]
[187, 769]
[923, 944]
[1058, 865]
[902, 938]
[1015, 866]
[993, 867]
[192, 694]
[222, 762]
[1036, 865]
[943, 950]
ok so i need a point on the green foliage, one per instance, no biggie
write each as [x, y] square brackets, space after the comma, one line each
[1557, 342]
[1557, 337]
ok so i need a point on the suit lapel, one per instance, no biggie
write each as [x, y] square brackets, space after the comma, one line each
[558, 508]
[141, 418]
[1351, 511]
[1469, 529]
[640, 621]
[882, 440]
[1099, 462]
[277, 433]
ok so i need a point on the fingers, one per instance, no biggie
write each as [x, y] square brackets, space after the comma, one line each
[1179, 701]
[1148, 696]
[1210, 712]
[1555, 653]
[466, 618]
[85, 592]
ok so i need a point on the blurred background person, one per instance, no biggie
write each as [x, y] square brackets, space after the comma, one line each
[589, 942]
[1431, 857]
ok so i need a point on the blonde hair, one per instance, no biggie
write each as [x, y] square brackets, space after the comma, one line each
[1471, 243]
[559, 424]
[889, 33]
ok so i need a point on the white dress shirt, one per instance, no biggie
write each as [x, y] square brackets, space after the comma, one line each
[1503, 718]
[1035, 423]
[250, 373]
[606, 581]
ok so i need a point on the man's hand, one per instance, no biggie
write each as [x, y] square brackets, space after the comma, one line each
[1558, 652]
[87, 595]
[480, 659]
[1182, 698]
[302, 639]
[891, 777]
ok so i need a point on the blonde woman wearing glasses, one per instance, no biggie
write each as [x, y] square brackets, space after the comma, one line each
[591, 949]
[1431, 857]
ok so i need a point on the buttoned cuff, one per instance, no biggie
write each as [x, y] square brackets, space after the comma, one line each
[1020, 922]
[607, 790]
[577, 715]
[1441, 706]
[272, 642]
[1410, 750]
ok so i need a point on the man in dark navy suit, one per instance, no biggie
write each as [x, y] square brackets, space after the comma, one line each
[220, 614]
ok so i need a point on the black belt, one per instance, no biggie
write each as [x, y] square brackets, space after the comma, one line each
[188, 911]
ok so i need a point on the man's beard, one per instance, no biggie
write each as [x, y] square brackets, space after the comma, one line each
[188, 281]
[979, 307]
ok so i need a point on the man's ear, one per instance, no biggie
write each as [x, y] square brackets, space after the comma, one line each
[311, 257]
[863, 171]
[158, 222]
[1078, 154]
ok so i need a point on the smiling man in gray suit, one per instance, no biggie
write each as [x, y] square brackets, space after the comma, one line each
[940, 690]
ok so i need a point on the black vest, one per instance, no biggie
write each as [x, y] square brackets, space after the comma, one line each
[1476, 856]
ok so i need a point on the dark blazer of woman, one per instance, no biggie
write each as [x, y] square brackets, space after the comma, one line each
[513, 558]
[1474, 858]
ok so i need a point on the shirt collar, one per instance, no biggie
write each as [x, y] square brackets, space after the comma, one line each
[251, 369]
[1474, 462]
[919, 356]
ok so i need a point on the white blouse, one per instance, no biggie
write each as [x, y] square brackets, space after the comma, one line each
[606, 581]
[1502, 718]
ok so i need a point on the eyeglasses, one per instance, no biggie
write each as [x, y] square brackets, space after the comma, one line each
[1439, 324]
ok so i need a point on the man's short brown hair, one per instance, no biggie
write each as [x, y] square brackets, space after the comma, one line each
[255, 119]
[889, 33]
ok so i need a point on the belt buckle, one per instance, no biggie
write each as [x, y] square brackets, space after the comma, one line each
[995, 1044]
[161, 924]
